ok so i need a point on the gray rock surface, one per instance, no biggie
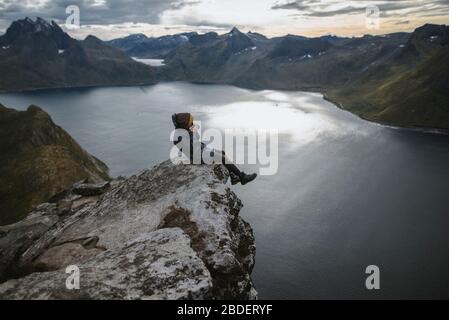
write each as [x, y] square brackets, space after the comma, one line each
[172, 232]
[91, 189]
[159, 265]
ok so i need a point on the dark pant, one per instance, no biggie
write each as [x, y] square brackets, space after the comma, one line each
[230, 166]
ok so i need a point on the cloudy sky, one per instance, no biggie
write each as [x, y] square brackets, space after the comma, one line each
[113, 18]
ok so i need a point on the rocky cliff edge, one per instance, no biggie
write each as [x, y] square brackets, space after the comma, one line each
[172, 232]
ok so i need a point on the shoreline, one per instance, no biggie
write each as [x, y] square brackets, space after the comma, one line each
[429, 130]
[322, 91]
[94, 86]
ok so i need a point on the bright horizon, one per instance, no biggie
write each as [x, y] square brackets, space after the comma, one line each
[109, 19]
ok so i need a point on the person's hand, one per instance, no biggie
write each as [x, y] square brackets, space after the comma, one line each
[194, 128]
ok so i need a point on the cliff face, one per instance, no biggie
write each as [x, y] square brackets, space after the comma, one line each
[37, 160]
[172, 232]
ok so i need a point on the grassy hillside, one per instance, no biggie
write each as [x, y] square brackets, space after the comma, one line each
[409, 90]
[37, 160]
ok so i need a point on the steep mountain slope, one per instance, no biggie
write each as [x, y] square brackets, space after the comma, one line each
[37, 160]
[290, 62]
[128, 42]
[212, 57]
[409, 89]
[37, 54]
[298, 63]
[140, 46]
[297, 47]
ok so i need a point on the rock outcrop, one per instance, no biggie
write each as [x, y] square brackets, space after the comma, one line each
[172, 232]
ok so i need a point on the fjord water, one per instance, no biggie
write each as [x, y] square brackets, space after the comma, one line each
[347, 194]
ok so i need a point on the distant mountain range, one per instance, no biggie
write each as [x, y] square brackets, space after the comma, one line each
[290, 62]
[38, 54]
[399, 79]
[140, 46]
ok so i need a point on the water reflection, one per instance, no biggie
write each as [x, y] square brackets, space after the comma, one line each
[287, 118]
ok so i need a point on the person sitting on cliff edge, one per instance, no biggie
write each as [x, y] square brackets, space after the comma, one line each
[185, 121]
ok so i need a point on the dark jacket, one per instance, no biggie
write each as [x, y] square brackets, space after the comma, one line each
[181, 121]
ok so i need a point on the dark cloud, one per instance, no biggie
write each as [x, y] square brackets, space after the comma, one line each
[91, 11]
[195, 22]
[320, 8]
[182, 4]
[116, 12]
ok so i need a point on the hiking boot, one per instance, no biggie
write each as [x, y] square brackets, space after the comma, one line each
[246, 178]
[234, 178]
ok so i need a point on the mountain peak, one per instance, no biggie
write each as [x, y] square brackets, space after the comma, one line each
[28, 27]
[429, 28]
[235, 31]
[137, 36]
[39, 22]
[92, 41]
[433, 33]
[238, 41]
[91, 38]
